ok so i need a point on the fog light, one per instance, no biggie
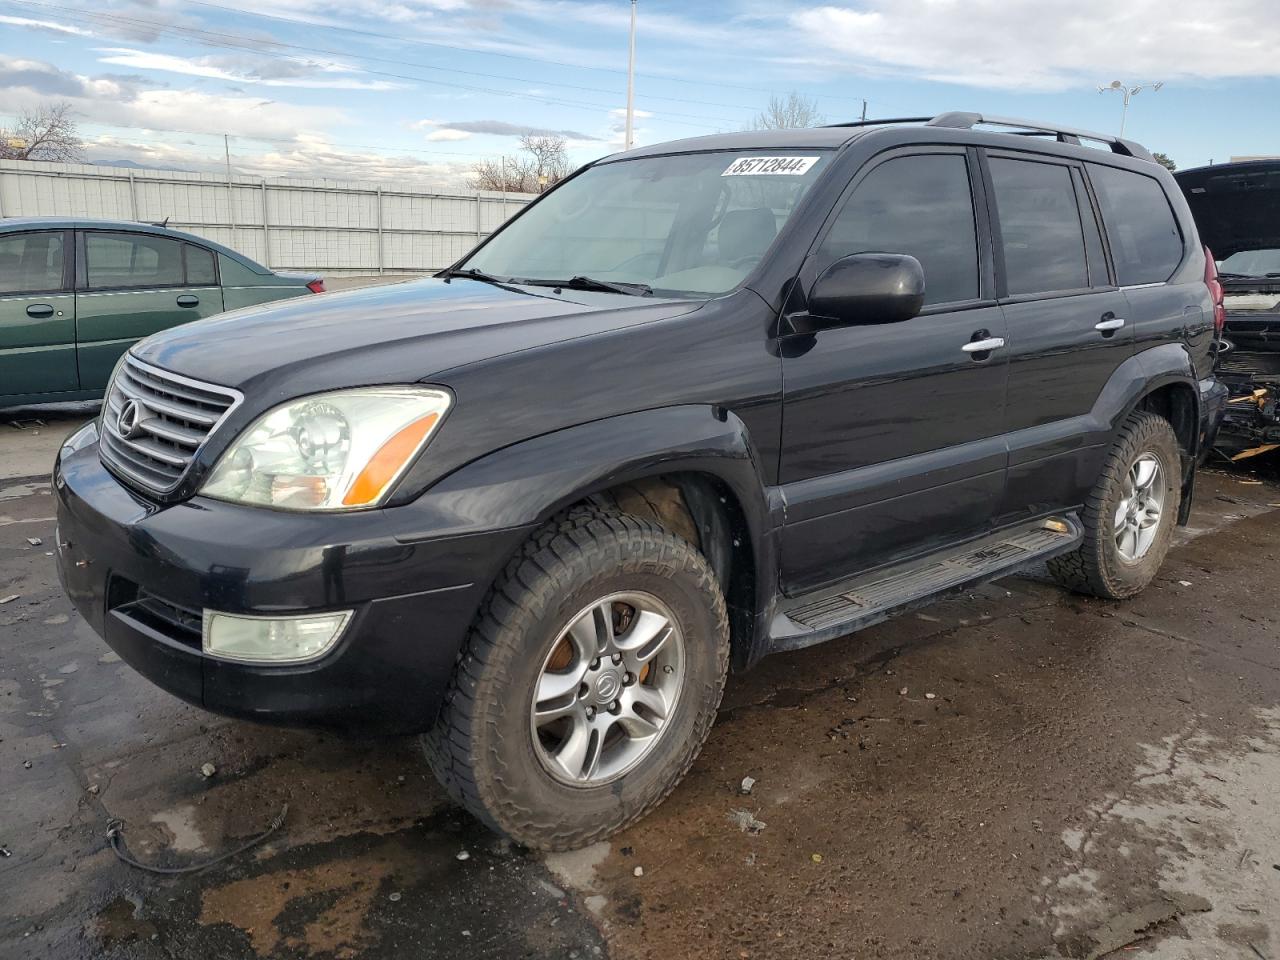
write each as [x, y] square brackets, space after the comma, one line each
[272, 639]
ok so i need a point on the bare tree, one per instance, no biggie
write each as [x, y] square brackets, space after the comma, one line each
[543, 162]
[794, 110]
[46, 133]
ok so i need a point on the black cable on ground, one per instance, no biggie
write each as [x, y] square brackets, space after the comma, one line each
[115, 837]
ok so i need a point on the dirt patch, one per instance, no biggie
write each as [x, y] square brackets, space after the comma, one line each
[318, 910]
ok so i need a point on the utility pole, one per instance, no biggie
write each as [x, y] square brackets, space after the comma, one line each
[631, 83]
[864, 111]
[231, 199]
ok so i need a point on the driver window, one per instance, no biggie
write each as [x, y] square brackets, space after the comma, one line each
[921, 206]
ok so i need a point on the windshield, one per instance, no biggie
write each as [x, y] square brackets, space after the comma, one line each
[679, 224]
[1252, 263]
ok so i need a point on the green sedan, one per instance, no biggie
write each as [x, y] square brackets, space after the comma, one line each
[76, 294]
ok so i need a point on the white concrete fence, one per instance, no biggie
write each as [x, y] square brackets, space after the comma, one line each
[337, 228]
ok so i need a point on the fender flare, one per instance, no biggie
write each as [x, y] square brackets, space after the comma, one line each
[1137, 378]
[527, 483]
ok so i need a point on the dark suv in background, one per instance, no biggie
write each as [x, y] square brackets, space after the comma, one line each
[1237, 210]
[702, 402]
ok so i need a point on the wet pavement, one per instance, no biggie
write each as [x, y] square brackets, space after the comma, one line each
[1014, 773]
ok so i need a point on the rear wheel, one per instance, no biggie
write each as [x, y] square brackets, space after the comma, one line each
[1130, 515]
[588, 684]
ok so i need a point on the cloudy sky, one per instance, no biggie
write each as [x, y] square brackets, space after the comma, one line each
[422, 89]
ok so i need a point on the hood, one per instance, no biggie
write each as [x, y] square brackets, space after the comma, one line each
[399, 333]
[1236, 205]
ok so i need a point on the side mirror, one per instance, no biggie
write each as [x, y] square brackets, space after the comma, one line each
[866, 288]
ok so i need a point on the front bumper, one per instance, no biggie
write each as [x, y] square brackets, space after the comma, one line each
[141, 574]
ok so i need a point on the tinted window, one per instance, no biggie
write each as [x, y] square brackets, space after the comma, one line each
[1040, 226]
[30, 262]
[1146, 244]
[1092, 236]
[920, 206]
[200, 271]
[132, 260]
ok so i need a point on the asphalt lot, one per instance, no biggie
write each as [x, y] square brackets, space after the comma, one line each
[1014, 773]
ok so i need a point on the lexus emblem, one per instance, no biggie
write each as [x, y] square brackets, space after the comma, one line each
[129, 419]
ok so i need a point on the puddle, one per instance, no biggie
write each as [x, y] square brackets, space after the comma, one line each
[180, 823]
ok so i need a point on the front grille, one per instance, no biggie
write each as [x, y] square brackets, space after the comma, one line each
[168, 417]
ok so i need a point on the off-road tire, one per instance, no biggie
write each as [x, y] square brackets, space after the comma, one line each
[481, 747]
[1096, 567]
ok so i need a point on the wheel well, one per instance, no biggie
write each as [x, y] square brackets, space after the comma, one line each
[1176, 402]
[704, 511]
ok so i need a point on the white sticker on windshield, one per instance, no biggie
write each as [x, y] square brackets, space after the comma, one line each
[769, 166]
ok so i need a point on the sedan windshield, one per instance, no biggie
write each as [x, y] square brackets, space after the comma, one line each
[677, 225]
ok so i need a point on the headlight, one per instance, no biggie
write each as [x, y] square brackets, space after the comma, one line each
[334, 451]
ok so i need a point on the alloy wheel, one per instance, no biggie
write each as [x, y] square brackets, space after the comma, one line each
[607, 688]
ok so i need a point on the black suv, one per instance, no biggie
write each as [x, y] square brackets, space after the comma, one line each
[702, 402]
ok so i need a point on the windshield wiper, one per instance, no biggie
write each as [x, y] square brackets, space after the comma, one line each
[591, 283]
[471, 273]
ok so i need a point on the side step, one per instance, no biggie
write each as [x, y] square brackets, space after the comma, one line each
[870, 598]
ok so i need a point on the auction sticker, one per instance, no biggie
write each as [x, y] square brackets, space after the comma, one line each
[769, 166]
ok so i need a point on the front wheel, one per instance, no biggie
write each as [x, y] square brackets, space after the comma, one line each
[588, 684]
[1130, 515]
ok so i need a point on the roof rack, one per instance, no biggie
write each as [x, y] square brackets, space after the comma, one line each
[960, 120]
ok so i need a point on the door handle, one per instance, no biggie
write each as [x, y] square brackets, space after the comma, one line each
[983, 346]
[188, 300]
[38, 311]
[1108, 323]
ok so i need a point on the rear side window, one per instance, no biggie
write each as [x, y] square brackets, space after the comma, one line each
[1040, 226]
[1146, 244]
[31, 262]
[131, 260]
[200, 269]
[921, 206]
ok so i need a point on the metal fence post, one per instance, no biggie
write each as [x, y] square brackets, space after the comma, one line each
[479, 229]
[1, 196]
[133, 196]
[266, 228]
[381, 253]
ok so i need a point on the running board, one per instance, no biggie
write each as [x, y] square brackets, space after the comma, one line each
[870, 598]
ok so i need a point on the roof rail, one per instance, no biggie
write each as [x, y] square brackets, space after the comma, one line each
[876, 123]
[958, 120]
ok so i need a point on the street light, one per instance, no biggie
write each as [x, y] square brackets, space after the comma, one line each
[1127, 91]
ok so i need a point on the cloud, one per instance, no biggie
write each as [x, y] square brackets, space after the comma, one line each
[500, 128]
[44, 79]
[445, 133]
[47, 26]
[1019, 45]
[311, 158]
[310, 74]
[124, 101]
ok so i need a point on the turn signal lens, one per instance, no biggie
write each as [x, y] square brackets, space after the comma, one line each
[386, 463]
